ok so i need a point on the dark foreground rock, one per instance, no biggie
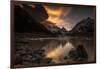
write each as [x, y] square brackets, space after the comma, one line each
[79, 54]
[28, 56]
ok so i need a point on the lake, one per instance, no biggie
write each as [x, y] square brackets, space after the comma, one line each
[57, 49]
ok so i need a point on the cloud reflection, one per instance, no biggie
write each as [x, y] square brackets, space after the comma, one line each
[57, 53]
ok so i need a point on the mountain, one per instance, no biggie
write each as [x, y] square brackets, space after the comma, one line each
[84, 27]
[54, 29]
[27, 19]
[33, 20]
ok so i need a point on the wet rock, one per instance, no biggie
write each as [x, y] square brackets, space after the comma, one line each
[18, 59]
[78, 54]
[26, 63]
[22, 52]
[46, 60]
[81, 53]
[27, 56]
[73, 54]
[38, 53]
[66, 57]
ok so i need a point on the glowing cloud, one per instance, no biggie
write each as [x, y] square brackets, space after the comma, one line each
[56, 16]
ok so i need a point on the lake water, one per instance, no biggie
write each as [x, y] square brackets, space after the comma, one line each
[58, 48]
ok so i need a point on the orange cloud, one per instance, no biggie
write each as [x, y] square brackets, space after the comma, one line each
[56, 16]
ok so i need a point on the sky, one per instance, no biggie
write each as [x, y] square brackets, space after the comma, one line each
[68, 16]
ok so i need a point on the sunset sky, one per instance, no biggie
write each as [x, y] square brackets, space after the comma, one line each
[68, 16]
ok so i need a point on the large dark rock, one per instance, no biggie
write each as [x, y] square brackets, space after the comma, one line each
[81, 52]
[78, 54]
[73, 54]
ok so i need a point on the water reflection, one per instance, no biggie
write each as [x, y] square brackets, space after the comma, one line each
[55, 51]
[59, 52]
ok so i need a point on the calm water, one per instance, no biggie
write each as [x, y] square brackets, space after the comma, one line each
[58, 48]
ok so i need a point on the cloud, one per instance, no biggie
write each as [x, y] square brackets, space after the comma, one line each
[57, 15]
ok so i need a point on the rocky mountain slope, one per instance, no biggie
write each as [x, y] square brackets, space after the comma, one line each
[84, 27]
